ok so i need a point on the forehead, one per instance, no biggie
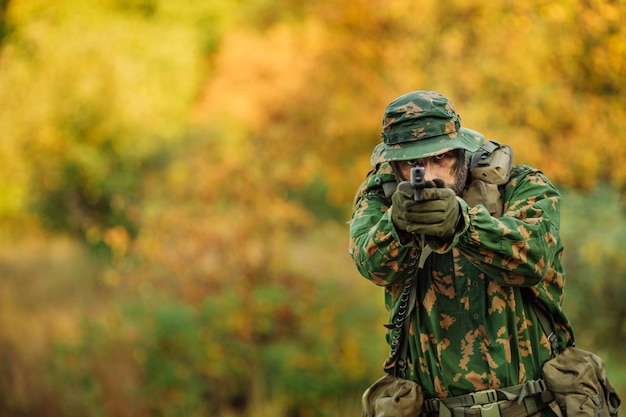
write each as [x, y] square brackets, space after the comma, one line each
[450, 152]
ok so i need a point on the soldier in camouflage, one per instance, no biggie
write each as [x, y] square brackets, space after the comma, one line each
[479, 278]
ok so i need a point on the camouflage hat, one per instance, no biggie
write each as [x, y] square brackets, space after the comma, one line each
[421, 124]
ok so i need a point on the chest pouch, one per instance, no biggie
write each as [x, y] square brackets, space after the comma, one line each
[490, 168]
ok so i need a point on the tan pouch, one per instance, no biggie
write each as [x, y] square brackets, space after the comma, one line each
[492, 163]
[578, 381]
[489, 168]
[393, 397]
[479, 192]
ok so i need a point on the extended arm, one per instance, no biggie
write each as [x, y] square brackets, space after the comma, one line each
[521, 247]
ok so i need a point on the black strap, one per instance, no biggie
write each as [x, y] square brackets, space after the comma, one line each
[401, 362]
[546, 325]
[483, 155]
[401, 326]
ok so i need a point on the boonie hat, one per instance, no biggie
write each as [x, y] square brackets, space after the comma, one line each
[422, 124]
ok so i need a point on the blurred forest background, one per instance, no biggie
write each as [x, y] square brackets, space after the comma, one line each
[176, 178]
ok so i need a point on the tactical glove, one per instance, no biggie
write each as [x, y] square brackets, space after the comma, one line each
[435, 214]
[401, 203]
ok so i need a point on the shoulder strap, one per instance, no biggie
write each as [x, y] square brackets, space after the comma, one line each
[483, 155]
[389, 188]
[546, 326]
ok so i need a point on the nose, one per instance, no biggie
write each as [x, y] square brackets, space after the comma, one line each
[429, 172]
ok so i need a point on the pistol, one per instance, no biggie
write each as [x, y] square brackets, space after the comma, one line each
[417, 182]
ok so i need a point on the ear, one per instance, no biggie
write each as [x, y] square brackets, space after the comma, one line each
[395, 166]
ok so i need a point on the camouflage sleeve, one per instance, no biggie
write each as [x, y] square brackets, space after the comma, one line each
[523, 246]
[379, 252]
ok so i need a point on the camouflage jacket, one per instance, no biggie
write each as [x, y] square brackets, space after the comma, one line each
[473, 326]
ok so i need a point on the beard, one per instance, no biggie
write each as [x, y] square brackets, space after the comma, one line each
[461, 178]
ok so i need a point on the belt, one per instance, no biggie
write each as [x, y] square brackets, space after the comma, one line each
[517, 401]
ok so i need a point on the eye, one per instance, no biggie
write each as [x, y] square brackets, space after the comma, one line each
[414, 162]
[440, 157]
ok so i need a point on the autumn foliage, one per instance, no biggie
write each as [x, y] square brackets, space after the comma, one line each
[176, 178]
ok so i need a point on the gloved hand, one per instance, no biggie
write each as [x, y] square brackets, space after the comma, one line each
[435, 214]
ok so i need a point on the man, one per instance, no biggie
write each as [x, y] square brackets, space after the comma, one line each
[482, 279]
